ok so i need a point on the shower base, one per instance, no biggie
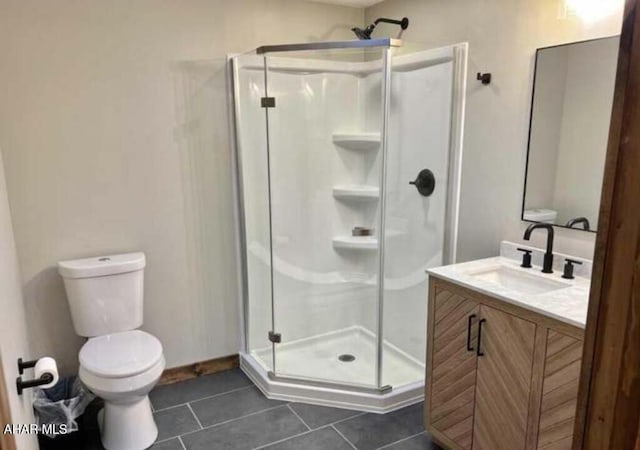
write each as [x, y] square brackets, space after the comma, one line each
[302, 362]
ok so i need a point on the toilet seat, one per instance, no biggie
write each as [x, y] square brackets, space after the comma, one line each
[123, 390]
[120, 355]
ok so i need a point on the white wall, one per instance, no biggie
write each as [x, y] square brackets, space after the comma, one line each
[13, 330]
[109, 149]
[502, 36]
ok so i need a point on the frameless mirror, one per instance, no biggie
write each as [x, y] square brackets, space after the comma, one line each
[570, 114]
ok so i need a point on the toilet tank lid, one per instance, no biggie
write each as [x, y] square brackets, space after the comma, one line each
[99, 266]
[539, 214]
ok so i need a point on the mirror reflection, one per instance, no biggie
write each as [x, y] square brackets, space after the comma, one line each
[570, 114]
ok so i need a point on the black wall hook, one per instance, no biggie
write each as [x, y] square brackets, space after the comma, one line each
[484, 77]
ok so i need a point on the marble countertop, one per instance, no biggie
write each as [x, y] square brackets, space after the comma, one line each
[568, 304]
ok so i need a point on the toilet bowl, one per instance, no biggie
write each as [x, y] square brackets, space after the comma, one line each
[122, 368]
[119, 363]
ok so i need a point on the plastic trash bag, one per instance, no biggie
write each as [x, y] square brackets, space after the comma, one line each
[61, 405]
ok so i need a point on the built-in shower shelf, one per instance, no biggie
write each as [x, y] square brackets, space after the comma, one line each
[356, 242]
[356, 192]
[357, 141]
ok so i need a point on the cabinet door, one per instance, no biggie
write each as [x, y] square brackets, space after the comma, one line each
[503, 381]
[559, 391]
[451, 366]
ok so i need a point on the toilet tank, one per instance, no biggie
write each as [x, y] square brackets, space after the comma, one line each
[540, 215]
[105, 293]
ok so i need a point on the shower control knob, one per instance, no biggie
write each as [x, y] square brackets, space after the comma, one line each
[425, 182]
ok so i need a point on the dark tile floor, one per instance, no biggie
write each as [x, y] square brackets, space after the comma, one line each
[225, 411]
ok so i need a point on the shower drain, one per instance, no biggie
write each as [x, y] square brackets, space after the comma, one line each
[346, 358]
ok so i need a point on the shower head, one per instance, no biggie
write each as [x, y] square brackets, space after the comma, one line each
[364, 34]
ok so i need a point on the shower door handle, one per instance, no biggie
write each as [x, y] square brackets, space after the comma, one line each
[425, 182]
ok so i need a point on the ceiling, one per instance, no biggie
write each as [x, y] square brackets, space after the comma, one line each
[355, 3]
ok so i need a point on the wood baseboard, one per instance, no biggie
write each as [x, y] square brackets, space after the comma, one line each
[198, 369]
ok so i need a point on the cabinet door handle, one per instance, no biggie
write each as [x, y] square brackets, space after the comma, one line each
[469, 321]
[479, 351]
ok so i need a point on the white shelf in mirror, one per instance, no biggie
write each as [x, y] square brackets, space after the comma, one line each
[356, 192]
[356, 242]
[357, 141]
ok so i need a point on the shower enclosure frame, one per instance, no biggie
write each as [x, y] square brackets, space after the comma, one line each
[382, 398]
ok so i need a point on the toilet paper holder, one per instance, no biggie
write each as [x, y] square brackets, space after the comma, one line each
[21, 385]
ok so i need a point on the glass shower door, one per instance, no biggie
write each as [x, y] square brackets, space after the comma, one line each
[324, 114]
[253, 163]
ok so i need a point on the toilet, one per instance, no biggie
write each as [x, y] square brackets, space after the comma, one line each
[540, 215]
[118, 363]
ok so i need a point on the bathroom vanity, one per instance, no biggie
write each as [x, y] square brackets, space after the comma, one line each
[504, 354]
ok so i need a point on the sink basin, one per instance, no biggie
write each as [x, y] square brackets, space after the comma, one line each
[518, 280]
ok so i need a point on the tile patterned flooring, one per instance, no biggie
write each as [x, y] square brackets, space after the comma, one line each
[225, 411]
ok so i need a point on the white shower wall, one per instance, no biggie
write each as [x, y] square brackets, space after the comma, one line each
[418, 138]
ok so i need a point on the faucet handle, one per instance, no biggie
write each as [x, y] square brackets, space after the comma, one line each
[568, 268]
[526, 257]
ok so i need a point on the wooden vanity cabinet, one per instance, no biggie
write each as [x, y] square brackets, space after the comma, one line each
[559, 391]
[453, 378]
[498, 376]
[503, 381]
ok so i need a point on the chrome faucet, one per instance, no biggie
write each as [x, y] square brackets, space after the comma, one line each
[547, 265]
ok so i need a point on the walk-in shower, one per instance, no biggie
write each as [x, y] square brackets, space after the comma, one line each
[348, 174]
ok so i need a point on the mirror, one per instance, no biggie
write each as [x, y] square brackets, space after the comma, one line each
[570, 114]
